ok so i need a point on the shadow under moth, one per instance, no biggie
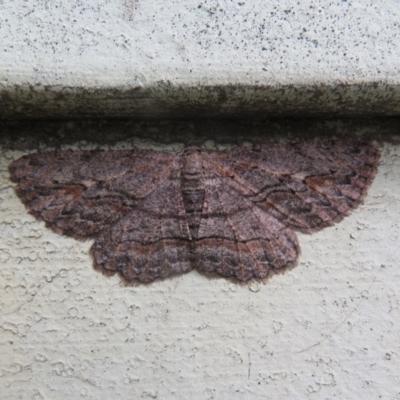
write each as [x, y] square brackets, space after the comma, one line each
[232, 212]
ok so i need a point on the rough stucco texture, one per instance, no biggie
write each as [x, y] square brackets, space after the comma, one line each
[327, 329]
[120, 40]
[138, 58]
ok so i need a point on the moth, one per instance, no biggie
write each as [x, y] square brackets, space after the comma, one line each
[234, 212]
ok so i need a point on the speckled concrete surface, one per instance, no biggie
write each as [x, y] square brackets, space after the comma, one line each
[327, 329]
[199, 57]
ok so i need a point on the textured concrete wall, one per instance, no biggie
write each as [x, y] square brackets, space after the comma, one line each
[190, 57]
[327, 329]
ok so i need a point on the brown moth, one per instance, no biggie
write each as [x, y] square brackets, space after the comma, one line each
[231, 212]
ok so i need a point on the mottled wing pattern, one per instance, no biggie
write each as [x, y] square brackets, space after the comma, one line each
[253, 197]
[237, 239]
[247, 202]
[130, 200]
[152, 241]
[306, 185]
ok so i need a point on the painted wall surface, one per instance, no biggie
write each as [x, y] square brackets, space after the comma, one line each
[328, 328]
[138, 58]
[122, 41]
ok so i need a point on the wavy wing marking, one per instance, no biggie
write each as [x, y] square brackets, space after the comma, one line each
[307, 185]
[81, 193]
[243, 205]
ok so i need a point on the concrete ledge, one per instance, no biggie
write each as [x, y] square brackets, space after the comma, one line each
[129, 58]
[164, 100]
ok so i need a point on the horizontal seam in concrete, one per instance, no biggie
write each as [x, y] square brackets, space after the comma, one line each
[163, 99]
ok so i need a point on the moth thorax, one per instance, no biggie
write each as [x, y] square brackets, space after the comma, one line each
[192, 183]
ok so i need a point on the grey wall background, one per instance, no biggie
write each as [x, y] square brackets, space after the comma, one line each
[328, 328]
[199, 57]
